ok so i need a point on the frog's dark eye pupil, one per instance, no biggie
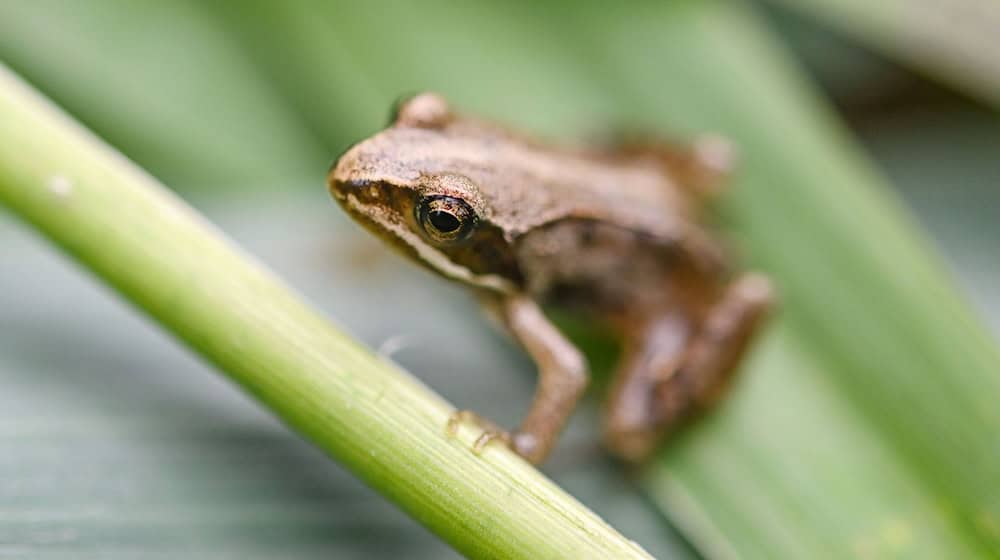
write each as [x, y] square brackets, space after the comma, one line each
[445, 222]
[446, 219]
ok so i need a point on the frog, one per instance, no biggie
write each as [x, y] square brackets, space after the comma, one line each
[618, 234]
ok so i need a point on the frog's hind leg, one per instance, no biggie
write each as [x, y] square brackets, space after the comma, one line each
[675, 369]
[652, 353]
[715, 354]
[702, 166]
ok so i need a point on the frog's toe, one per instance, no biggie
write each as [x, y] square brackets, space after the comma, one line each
[491, 435]
[457, 418]
[528, 446]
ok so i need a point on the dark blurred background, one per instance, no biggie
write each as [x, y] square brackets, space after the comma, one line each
[116, 443]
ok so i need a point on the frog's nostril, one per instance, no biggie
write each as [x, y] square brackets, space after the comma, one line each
[340, 189]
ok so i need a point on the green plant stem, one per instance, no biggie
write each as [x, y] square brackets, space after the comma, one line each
[374, 418]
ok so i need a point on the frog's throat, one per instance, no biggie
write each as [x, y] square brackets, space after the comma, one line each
[427, 253]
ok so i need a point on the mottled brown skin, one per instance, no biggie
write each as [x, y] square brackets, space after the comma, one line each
[614, 234]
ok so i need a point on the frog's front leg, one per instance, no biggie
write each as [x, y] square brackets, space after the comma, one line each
[674, 367]
[562, 378]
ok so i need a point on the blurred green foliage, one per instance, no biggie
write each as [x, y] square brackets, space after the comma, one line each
[866, 425]
[954, 41]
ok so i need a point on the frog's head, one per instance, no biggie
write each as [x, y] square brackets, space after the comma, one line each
[402, 185]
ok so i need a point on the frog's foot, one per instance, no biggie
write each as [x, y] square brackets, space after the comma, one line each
[491, 432]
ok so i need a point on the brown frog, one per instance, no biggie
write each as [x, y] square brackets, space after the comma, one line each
[614, 234]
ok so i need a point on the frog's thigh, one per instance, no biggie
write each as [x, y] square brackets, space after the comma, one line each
[651, 354]
[680, 381]
[716, 352]
[703, 166]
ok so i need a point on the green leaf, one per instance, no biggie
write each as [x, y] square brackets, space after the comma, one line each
[955, 41]
[126, 69]
[865, 424]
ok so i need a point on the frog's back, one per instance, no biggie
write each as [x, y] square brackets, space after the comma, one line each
[582, 227]
[600, 233]
[527, 185]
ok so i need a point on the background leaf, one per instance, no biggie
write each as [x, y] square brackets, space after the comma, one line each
[955, 41]
[864, 426]
[126, 69]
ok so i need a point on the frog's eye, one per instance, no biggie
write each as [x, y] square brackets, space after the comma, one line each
[446, 219]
